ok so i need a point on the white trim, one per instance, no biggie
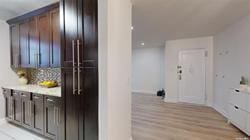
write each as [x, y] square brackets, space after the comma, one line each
[220, 110]
[3, 121]
[144, 91]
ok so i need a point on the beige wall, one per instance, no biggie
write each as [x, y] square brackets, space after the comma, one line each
[115, 69]
[171, 61]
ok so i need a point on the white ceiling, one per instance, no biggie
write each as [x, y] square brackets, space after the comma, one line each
[156, 21]
[14, 8]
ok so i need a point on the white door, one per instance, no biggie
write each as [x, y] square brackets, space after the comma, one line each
[192, 75]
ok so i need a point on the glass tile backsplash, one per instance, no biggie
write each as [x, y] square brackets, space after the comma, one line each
[36, 76]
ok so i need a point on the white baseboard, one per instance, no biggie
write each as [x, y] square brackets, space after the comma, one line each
[220, 110]
[3, 121]
[144, 91]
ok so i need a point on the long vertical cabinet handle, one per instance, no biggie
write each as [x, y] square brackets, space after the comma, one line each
[79, 68]
[73, 61]
[54, 115]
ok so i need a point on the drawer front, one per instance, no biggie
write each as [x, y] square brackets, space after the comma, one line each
[239, 99]
[6, 92]
[238, 116]
[25, 95]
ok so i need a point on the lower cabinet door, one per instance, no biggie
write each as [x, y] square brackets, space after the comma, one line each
[8, 104]
[17, 106]
[53, 118]
[38, 115]
[26, 110]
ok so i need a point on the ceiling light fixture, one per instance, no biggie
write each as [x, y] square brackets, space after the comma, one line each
[142, 44]
[132, 28]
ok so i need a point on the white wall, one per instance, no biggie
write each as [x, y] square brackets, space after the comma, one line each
[148, 69]
[7, 76]
[115, 69]
[231, 55]
[171, 62]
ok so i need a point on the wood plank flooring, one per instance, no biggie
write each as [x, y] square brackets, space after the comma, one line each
[153, 119]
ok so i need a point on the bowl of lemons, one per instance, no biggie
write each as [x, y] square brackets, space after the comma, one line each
[49, 84]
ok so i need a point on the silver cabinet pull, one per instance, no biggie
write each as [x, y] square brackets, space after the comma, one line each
[35, 97]
[54, 115]
[23, 95]
[58, 117]
[79, 67]
[73, 61]
[49, 100]
[30, 108]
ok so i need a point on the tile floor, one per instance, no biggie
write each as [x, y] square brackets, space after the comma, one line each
[11, 132]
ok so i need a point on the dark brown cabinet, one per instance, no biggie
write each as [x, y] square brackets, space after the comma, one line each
[55, 43]
[17, 103]
[37, 113]
[41, 114]
[80, 69]
[32, 43]
[23, 38]
[43, 40]
[8, 104]
[26, 109]
[35, 38]
[53, 118]
[14, 37]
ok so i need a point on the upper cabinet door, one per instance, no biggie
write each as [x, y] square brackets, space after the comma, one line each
[24, 50]
[43, 28]
[14, 36]
[55, 43]
[33, 43]
[71, 31]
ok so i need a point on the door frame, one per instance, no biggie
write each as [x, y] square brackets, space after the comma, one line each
[205, 71]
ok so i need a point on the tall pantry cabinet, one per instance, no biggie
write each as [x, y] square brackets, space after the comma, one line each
[80, 68]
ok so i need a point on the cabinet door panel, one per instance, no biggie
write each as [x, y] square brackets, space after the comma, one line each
[8, 104]
[44, 40]
[26, 110]
[71, 31]
[17, 107]
[52, 110]
[55, 53]
[24, 51]
[72, 105]
[38, 114]
[33, 42]
[14, 37]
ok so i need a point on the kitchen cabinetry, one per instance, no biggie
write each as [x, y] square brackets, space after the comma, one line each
[39, 113]
[8, 104]
[17, 107]
[53, 117]
[14, 37]
[35, 38]
[26, 109]
[80, 69]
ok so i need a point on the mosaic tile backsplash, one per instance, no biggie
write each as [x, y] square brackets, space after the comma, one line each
[36, 76]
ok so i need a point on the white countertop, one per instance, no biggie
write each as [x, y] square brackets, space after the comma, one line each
[37, 89]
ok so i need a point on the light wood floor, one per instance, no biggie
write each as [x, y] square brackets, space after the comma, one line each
[153, 119]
